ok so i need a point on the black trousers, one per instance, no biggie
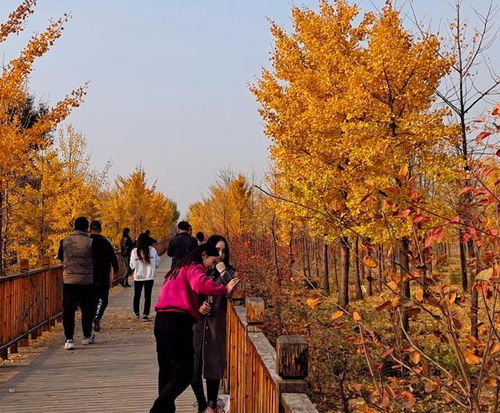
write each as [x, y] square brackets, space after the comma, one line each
[75, 296]
[212, 392]
[148, 289]
[102, 298]
[174, 347]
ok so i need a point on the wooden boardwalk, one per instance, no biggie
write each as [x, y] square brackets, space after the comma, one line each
[116, 374]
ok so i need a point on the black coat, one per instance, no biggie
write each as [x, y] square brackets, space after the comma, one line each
[104, 258]
[126, 246]
[209, 337]
[180, 246]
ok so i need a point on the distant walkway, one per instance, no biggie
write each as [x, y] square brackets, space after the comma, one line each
[116, 374]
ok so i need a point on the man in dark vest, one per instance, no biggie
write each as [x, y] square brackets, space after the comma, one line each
[182, 244]
[76, 253]
[104, 259]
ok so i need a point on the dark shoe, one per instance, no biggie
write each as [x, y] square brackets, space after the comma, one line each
[97, 325]
[145, 317]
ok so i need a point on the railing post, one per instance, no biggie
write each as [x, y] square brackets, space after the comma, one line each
[292, 355]
[238, 294]
[254, 309]
[24, 265]
[45, 261]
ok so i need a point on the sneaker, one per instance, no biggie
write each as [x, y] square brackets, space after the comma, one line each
[97, 325]
[145, 318]
[88, 340]
[136, 315]
[69, 345]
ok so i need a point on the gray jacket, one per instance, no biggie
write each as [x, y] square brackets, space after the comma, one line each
[75, 251]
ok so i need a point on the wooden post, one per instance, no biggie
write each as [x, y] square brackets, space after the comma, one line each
[45, 261]
[292, 355]
[4, 354]
[254, 310]
[238, 294]
[24, 265]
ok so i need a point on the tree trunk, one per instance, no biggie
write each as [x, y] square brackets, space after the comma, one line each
[344, 275]
[326, 275]
[474, 293]
[405, 284]
[359, 292]
[335, 269]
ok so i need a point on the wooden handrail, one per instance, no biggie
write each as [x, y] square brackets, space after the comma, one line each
[259, 378]
[31, 301]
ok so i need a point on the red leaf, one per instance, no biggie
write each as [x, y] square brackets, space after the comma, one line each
[496, 110]
[466, 190]
[481, 119]
[466, 238]
[482, 136]
[498, 153]
[438, 233]
[403, 214]
[455, 220]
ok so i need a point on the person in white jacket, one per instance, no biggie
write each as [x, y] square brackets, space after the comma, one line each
[144, 260]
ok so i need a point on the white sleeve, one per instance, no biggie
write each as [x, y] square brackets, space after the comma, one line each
[133, 258]
[157, 258]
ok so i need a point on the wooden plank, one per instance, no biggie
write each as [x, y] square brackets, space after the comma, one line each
[297, 402]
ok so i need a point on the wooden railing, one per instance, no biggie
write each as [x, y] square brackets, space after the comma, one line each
[259, 378]
[31, 302]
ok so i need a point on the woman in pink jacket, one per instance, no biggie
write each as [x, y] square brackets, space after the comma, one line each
[177, 310]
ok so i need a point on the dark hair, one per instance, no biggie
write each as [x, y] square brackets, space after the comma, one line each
[147, 232]
[143, 248]
[183, 226]
[213, 240]
[81, 224]
[195, 256]
[126, 231]
[95, 224]
[200, 236]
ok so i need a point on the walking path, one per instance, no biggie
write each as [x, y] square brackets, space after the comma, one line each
[116, 374]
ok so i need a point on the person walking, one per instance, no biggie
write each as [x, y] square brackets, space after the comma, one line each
[104, 260]
[76, 253]
[144, 260]
[210, 333]
[126, 246]
[182, 244]
[177, 310]
[200, 237]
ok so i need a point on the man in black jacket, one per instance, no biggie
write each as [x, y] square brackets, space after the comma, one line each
[182, 244]
[104, 259]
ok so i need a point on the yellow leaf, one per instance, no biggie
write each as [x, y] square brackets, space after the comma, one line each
[419, 295]
[337, 314]
[356, 316]
[495, 349]
[370, 262]
[313, 302]
[392, 285]
[452, 297]
[415, 357]
[471, 358]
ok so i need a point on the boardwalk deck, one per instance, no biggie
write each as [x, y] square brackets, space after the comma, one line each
[116, 374]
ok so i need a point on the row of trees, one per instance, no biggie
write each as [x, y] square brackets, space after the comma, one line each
[46, 179]
[386, 177]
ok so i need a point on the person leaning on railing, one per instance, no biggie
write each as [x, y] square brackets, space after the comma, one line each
[210, 333]
[177, 310]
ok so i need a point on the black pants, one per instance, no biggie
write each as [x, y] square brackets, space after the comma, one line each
[174, 347]
[212, 392]
[75, 296]
[148, 288]
[101, 297]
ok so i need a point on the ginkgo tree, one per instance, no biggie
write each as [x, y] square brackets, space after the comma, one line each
[18, 139]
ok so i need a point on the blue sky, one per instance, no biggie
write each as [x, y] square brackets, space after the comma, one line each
[168, 81]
